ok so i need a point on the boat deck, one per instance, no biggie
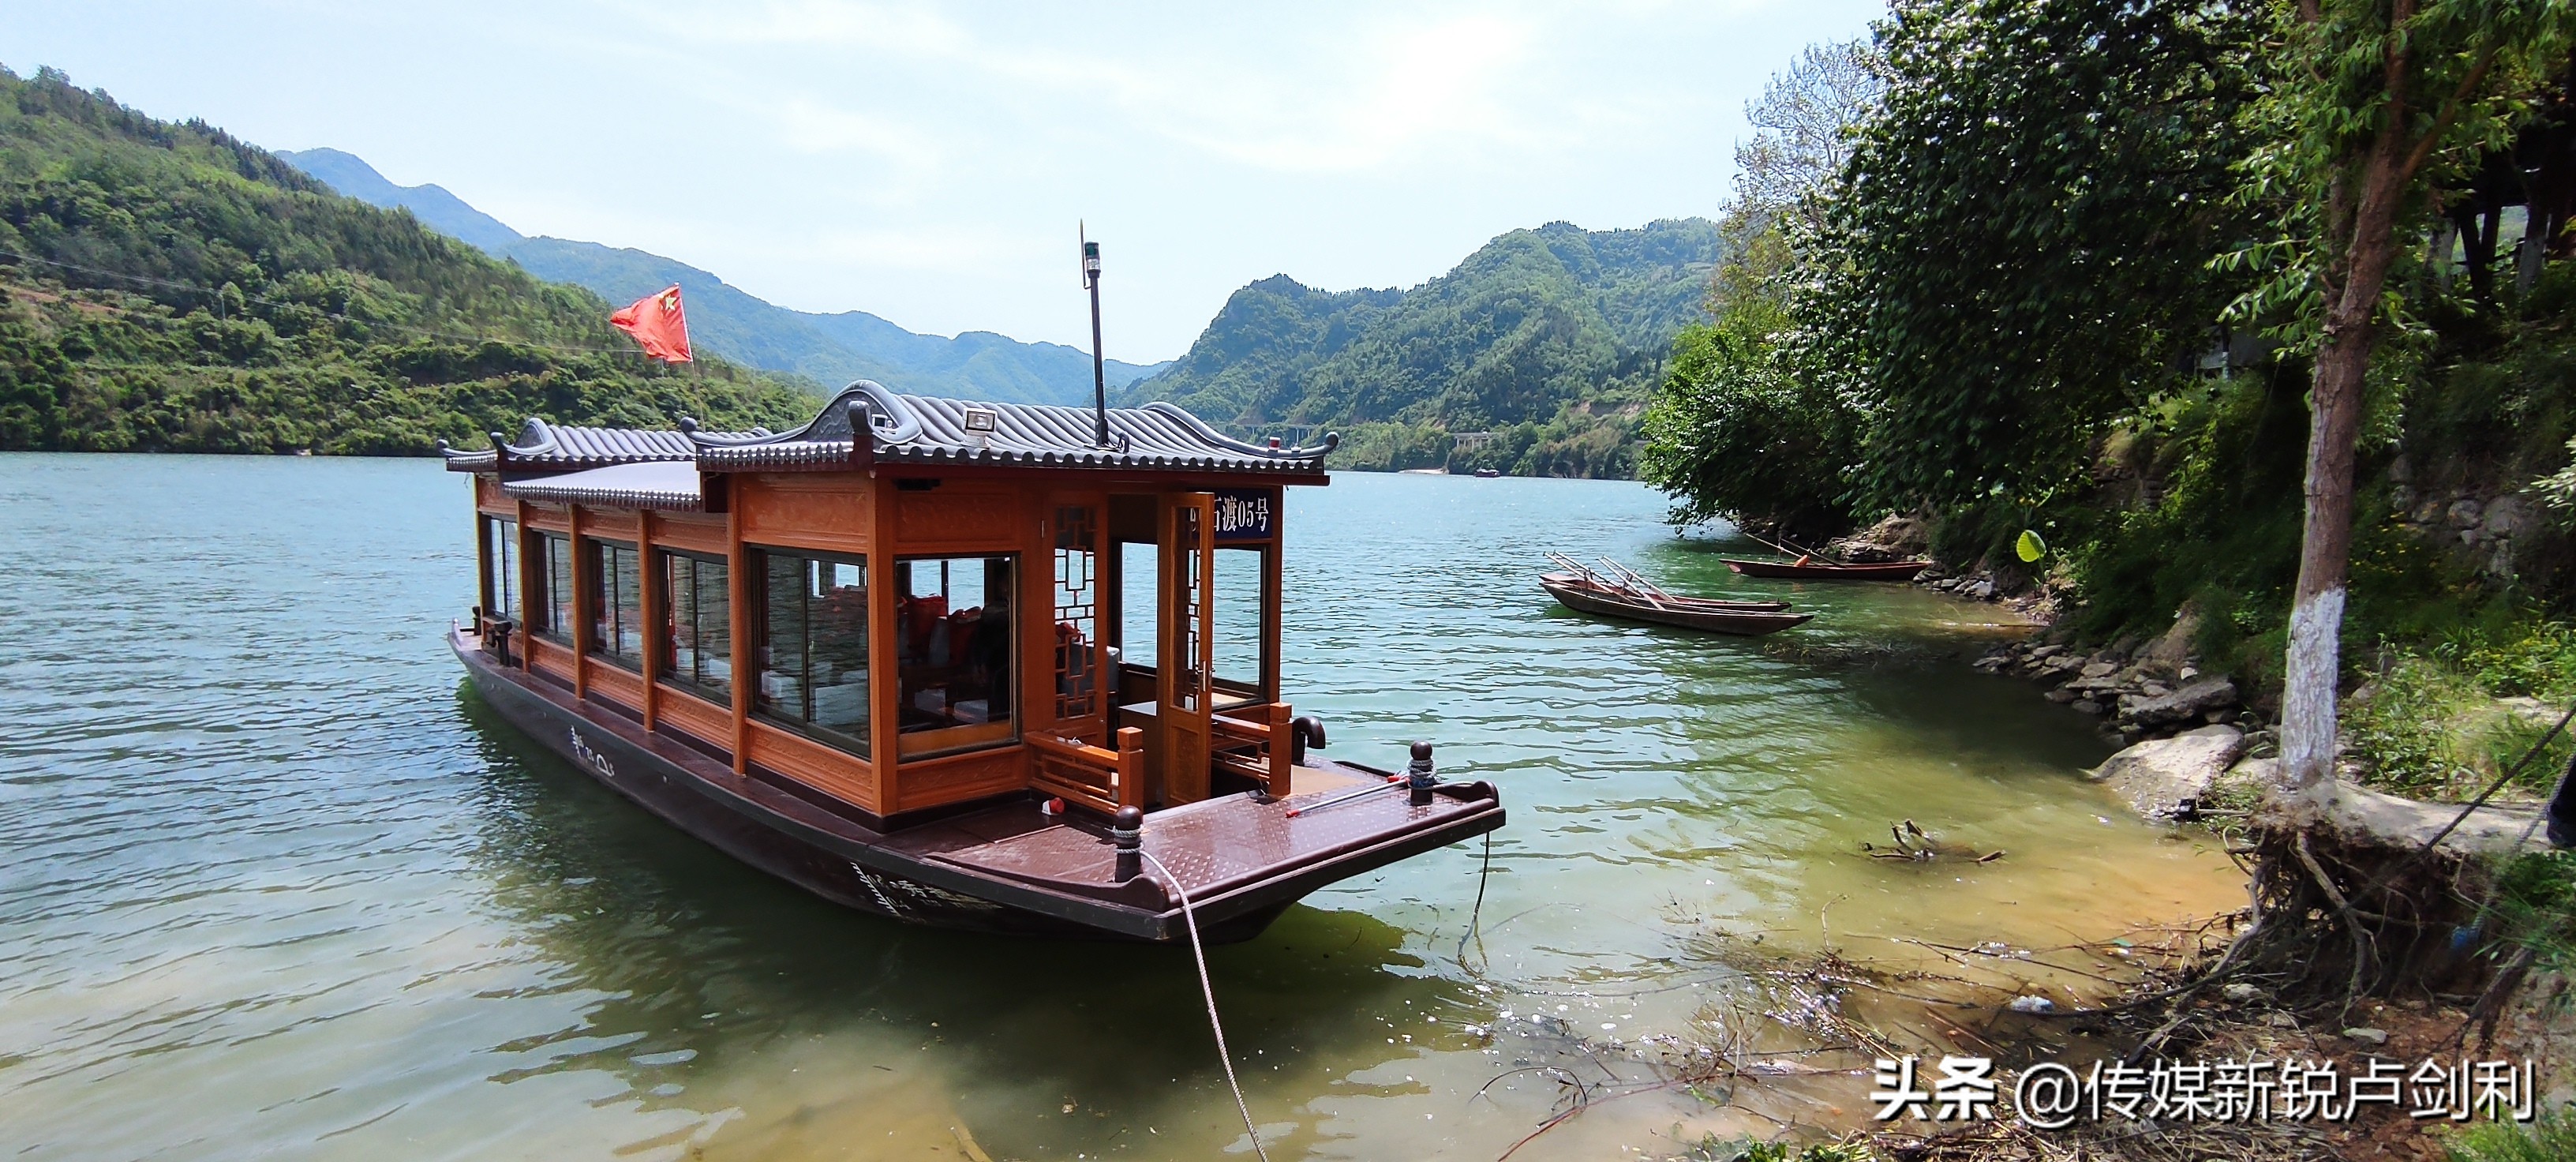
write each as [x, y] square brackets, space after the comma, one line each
[1210, 846]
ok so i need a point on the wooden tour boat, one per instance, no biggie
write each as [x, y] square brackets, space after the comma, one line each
[1616, 591]
[1804, 569]
[954, 663]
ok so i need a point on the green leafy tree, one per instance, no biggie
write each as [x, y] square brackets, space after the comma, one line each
[2370, 103]
[1742, 427]
[2019, 253]
[1739, 427]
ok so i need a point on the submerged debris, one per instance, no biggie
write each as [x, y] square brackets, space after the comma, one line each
[1913, 843]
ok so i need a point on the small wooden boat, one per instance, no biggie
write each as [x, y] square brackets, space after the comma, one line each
[1806, 570]
[881, 657]
[1746, 618]
[1617, 591]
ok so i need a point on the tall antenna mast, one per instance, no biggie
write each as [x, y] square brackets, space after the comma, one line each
[1099, 371]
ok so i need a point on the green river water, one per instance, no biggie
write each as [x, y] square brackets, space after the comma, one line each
[277, 886]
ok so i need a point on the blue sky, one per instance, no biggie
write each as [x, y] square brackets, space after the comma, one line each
[928, 163]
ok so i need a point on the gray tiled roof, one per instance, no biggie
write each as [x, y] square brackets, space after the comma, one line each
[542, 446]
[901, 428]
[668, 485]
[914, 428]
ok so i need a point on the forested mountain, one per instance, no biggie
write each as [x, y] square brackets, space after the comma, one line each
[830, 349]
[166, 287]
[1550, 339]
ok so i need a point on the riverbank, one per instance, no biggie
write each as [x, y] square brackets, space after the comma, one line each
[357, 915]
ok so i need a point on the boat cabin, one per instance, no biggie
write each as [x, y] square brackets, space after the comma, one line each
[911, 603]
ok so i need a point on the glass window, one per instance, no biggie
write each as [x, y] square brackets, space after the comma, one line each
[1238, 617]
[500, 568]
[954, 649]
[814, 646]
[699, 625]
[551, 611]
[616, 604]
[1140, 583]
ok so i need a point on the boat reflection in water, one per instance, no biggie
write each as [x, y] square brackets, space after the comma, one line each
[728, 1012]
[886, 657]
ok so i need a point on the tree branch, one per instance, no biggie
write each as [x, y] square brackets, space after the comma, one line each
[2450, 112]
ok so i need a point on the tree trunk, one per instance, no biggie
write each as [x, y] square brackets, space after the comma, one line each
[2334, 406]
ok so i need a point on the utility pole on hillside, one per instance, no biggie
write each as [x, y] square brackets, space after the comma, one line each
[1099, 370]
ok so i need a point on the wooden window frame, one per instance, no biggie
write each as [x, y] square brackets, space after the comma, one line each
[666, 671]
[542, 569]
[754, 594]
[593, 559]
[967, 738]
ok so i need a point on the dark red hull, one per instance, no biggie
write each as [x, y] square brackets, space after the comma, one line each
[1819, 571]
[1745, 619]
[998, 867]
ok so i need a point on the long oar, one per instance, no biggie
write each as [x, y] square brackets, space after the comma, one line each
[1581, 571]
[1776, 546]
[1637, 586]
[1612, 583]
[1634, 579]
[1819, 553]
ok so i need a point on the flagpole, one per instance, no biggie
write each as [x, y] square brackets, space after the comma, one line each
[1099, 372]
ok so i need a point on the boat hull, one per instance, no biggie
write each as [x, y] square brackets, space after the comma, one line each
[890, 873]
[1889, 571]
[1740, 622]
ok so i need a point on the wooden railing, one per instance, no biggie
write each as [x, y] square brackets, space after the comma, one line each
[1103, 780]
[1254, 745]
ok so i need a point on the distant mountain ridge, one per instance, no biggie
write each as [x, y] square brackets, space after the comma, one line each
[179, 290]
[830, 349]
[1548, 340]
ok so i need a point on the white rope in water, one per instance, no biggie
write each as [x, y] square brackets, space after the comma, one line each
[1199, 954]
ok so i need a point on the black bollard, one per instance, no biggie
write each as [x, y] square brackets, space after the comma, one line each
[1127, 832]
[1305, 732]
[1418, 776]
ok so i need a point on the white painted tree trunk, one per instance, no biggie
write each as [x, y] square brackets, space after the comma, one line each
[2308, 696]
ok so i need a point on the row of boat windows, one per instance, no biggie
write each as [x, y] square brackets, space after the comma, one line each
[955, 647]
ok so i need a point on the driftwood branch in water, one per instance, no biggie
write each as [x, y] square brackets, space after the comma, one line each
[1922, 847]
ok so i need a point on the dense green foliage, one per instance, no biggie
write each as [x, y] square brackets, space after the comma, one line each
[2550, 1139]
[830, 350]
[2021, 253]
[2015, 254]
[1550, 339]
[1998, 317]
[2486, 406]
[1742, 425]
[174, 289]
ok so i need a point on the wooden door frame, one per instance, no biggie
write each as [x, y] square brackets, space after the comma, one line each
[1184, 697]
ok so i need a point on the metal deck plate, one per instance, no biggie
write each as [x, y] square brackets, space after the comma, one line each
[1218, 843]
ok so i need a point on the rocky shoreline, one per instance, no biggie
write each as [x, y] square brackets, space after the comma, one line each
[2137, 697]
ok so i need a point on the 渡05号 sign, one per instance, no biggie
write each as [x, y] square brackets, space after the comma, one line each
[1245, 514]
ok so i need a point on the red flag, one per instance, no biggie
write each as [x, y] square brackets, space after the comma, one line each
[658, 324]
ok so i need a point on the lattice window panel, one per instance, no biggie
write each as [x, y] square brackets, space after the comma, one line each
[1077, 612]
[1188, 668]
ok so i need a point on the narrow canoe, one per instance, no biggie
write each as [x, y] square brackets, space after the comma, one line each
[1748, 618]
[1822, 571]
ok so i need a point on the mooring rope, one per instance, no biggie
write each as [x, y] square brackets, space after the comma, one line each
[1190, 919]
[1475, 915]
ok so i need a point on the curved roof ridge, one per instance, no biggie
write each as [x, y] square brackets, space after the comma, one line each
[903, 427]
